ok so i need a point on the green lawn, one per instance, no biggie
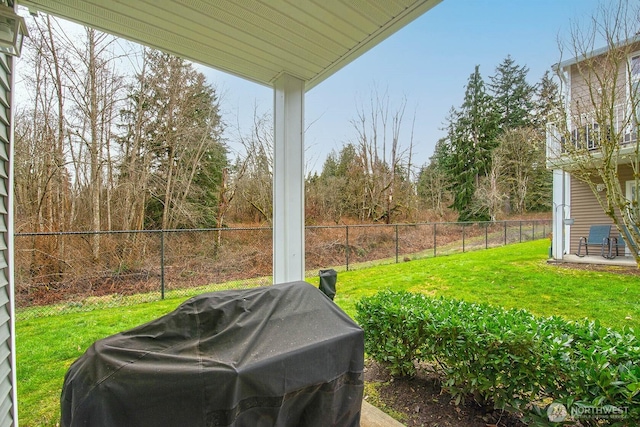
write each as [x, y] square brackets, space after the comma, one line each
[511, 276]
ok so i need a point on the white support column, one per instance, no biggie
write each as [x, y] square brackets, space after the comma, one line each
[561, 211]
[557, 241]
[288, 180]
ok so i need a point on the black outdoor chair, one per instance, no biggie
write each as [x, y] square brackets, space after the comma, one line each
[598, 236]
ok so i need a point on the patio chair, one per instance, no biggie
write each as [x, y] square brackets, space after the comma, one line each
[617, 242]
[598, 236]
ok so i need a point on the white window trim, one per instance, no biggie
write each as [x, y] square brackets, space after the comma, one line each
[630, 76]
[630, 80]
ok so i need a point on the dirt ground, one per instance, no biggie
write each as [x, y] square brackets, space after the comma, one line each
[421, 402]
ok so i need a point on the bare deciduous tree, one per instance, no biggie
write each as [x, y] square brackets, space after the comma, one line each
[599, 132]
[521, 151]
[491, 193]
[254, 185]
[385, 158]
[42, 181]
[95, 91]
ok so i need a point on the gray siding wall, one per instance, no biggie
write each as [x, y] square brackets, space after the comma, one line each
[585, 208]
[7, 357]
[583, 77]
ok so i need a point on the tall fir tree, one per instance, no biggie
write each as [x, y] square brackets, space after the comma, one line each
[472, 133]
[514, 97]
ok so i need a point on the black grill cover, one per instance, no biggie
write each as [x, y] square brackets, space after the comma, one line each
[283, 355]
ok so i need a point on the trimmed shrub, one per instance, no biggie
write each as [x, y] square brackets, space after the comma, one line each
[506, 358]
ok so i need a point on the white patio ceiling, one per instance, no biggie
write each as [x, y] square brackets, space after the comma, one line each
[254, 39]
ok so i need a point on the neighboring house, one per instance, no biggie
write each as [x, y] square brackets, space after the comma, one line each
[599, 99]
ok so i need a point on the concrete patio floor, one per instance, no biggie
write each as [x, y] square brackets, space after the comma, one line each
[621, 261]
[374, 417]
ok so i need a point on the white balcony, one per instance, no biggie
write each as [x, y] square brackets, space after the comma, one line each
[586, 136]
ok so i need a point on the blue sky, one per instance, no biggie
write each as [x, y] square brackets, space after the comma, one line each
[428, 62]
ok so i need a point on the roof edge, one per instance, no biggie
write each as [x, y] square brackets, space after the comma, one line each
[594, 53]
[418, 9]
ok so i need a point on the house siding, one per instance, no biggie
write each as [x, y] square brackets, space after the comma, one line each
[586, 210]
[7, 355]
[580, 83]
[589, 73]
[582, 79]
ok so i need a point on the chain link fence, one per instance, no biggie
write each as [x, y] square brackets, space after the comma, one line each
[79, 271]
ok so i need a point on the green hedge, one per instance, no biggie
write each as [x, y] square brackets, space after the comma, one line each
[507, 358]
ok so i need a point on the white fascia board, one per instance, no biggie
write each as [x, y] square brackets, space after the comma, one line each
[594, 53]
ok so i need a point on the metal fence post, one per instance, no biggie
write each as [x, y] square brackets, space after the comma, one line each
[161, 264]
[346, 227]
[520, 231]
[397, 249]
[505, 233]
[434, 239]
[486, 235]
[463, 230]
[533, 231]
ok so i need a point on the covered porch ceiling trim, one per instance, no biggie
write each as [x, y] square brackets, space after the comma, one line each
[257, 40]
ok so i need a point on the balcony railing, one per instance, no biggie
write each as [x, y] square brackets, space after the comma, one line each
[588, 134]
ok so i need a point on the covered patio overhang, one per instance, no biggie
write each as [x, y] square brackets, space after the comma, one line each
[291, 46]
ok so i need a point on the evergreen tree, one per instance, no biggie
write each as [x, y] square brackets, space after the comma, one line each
[471, 138]
[340, 185]
[178, 134]
[514, 97]
[330, 166]
[548, 103]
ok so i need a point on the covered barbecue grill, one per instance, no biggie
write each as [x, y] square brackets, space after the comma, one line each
[283, 355]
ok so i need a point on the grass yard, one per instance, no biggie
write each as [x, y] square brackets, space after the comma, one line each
[511, 276]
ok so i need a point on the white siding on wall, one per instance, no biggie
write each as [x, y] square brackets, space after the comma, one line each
[7, 371]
